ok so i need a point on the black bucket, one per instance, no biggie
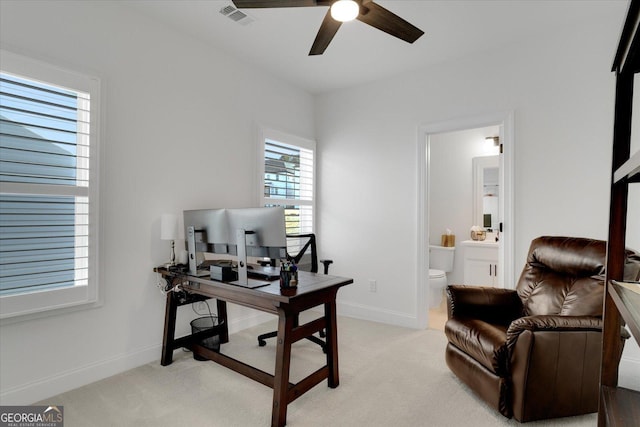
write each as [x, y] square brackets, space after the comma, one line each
[202, 324]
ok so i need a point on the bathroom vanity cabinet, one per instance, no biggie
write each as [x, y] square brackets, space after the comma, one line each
[480, 263]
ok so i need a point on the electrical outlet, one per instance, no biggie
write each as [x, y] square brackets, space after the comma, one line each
[373, 285]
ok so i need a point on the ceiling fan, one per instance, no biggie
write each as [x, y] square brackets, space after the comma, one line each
[342, 11]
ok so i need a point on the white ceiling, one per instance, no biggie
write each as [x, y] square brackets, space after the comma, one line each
[279, 40]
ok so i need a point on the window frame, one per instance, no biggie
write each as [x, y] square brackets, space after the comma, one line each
[297, 142]
[42, 303]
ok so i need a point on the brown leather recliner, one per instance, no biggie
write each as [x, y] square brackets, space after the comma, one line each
[534, 352]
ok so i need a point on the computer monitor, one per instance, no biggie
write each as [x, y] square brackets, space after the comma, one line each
[265, 231]
[257, 232]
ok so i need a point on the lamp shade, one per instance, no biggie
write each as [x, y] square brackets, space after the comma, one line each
[168, 227]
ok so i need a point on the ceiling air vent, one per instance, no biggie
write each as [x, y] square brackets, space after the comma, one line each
[234, 14]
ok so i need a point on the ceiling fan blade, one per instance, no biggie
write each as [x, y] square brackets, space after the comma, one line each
[255, 4]
[382, 19]
[327, 30]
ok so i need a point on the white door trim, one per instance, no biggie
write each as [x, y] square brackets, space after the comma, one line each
[506, 269]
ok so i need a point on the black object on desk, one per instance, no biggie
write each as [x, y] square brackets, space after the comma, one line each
[223, 273]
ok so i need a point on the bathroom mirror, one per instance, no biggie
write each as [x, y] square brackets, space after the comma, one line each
[486, 172]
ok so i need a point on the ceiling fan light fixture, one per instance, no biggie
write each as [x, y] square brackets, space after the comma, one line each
[345, 10]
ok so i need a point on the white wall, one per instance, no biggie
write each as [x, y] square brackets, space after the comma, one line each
[179, 133]
[561, 91]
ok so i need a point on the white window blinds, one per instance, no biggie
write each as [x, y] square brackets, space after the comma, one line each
[44, 179]
[288, 181]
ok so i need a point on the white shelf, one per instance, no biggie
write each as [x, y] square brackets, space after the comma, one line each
[628, 169]
[626, 296]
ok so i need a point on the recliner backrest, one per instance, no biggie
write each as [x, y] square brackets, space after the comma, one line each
[563, 276]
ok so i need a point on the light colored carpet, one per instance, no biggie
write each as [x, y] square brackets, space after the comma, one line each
[389, 376]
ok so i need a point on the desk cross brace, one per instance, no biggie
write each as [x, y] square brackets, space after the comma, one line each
[293, 390]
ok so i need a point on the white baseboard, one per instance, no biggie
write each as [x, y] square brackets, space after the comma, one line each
[29, 393]
[375, 314]
[61, 382]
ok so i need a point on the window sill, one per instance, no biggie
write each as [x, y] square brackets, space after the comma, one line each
[24, 307]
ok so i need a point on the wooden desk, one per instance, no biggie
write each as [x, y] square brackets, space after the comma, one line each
[313, 290]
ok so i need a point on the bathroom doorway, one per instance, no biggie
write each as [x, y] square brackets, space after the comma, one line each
[448, 199]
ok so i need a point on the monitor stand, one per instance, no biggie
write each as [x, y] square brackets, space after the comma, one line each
[246, 238]
[241, 240]
[194, 235]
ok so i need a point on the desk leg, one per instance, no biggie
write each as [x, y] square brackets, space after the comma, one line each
[168, 336]
[222, 317]
[283, 362]
[332, 342]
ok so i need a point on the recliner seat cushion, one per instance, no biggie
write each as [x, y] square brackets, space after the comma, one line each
[483, 341]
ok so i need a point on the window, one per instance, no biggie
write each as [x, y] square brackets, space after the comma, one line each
[48, 187]
[287, 179]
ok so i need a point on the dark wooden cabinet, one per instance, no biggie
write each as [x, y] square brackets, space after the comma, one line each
[620, 406]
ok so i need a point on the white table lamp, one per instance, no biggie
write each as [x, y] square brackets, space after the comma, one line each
[169, 231]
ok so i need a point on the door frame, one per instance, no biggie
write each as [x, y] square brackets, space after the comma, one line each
[505, 120]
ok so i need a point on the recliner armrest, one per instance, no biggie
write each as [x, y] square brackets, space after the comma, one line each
[551, 323]
[554, 353]
[493, 305]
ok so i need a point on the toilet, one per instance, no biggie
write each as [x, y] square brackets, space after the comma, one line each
[440, 263]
